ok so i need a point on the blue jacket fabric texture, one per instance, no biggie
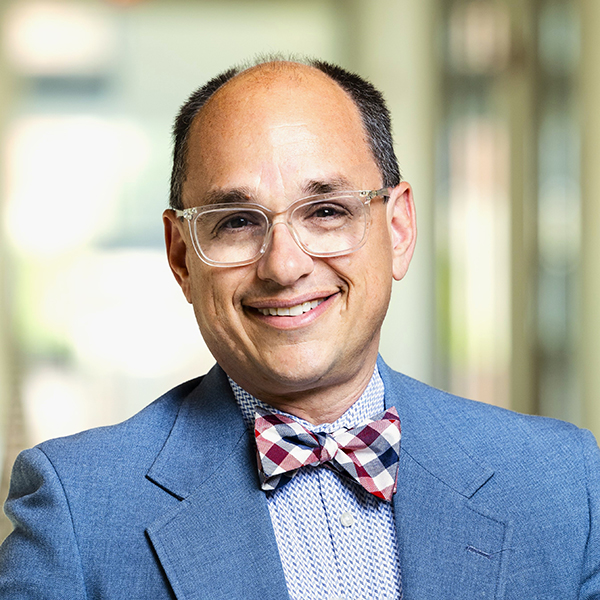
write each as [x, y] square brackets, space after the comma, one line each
[490, 504]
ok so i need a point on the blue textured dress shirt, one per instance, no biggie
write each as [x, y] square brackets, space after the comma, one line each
[335, 540]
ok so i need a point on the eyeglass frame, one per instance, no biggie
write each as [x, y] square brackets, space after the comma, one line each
[190, 214]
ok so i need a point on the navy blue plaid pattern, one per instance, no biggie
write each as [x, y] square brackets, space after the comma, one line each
[335, 539]
[368, 453]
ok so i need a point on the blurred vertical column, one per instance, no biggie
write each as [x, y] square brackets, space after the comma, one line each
[4, 350]
[479, 199]
[11, 421]
[392, 42]
[590, 268]
[520, 91]
[558, 211]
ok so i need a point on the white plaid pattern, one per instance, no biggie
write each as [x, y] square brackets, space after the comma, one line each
[368, 453]
[323, 559]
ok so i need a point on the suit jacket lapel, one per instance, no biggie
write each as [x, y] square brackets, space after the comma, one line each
[219, 542]
[451, 545]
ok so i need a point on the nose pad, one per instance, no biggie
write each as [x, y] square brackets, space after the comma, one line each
[284, 261]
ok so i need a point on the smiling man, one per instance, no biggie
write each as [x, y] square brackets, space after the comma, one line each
[280, 473]
[272, 136]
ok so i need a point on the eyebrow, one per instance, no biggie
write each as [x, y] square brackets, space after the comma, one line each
[335, 184]
[232, 196]
[243, 195]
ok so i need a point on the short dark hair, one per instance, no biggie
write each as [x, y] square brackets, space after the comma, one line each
[368, 99]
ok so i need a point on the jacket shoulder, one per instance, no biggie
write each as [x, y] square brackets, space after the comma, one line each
[483, 430]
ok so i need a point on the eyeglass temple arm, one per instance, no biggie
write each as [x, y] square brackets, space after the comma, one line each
[385, 192]
[186, 213]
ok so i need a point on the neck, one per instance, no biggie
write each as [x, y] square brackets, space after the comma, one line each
[318, 405]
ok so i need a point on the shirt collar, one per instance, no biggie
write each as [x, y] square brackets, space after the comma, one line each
[369, 404]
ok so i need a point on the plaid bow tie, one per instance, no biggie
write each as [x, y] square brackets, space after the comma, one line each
[368, 454]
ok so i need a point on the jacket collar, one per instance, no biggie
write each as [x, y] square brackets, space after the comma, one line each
[206, 432]
[209, 429]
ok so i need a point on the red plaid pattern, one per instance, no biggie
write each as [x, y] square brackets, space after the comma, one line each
[368, 453]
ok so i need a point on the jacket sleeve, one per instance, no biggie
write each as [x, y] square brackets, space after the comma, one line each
[40, 559]
[590, 578]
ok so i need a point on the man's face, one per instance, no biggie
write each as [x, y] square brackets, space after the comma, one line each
[273, 138]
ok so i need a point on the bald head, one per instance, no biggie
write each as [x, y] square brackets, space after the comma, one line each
[274, 87]
[275, 78]
[325, 87]
[266, 127]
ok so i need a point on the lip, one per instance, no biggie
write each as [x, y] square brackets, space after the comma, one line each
[288, 302]
[288, 321]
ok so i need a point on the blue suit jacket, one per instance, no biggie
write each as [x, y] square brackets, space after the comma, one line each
[490, 504]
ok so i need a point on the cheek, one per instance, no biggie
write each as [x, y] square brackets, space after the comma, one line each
[371, 266]
[206, 296]
[375, 282]
[380, 253]
[215, 294]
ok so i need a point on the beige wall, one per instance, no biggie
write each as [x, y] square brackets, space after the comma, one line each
[397, 52]
[590, 265]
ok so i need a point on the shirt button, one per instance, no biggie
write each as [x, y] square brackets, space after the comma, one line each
[346, 519]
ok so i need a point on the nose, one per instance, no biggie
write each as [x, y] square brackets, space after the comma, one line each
[284, 262]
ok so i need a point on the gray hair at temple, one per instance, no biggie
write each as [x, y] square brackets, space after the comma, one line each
[369, 101]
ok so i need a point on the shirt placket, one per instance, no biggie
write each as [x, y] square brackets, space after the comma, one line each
[340, 522]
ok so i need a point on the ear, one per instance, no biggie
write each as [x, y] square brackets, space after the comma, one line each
[177, 251]
[403, 227]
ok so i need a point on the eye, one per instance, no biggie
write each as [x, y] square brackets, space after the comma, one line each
[326, 211]
[236, 222]
[323, 212]
[239, 223]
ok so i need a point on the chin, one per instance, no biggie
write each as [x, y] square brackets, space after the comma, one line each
[301, 371]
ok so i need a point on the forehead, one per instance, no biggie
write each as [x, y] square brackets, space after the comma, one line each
[273, 127]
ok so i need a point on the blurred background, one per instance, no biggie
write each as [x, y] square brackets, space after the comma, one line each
[497, 125]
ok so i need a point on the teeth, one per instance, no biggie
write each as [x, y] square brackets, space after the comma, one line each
[291, 311]
[296, 311]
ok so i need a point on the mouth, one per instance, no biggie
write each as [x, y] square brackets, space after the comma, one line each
[290, 311]
[292, 314]
[287, 308]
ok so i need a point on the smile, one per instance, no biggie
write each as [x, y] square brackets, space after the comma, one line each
[290, 311]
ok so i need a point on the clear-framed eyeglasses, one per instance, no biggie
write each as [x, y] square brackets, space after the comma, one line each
[237, 234]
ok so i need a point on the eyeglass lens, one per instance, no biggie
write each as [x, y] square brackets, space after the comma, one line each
[321, 227]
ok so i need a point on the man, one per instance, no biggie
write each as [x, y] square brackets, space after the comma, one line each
[288, 223]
